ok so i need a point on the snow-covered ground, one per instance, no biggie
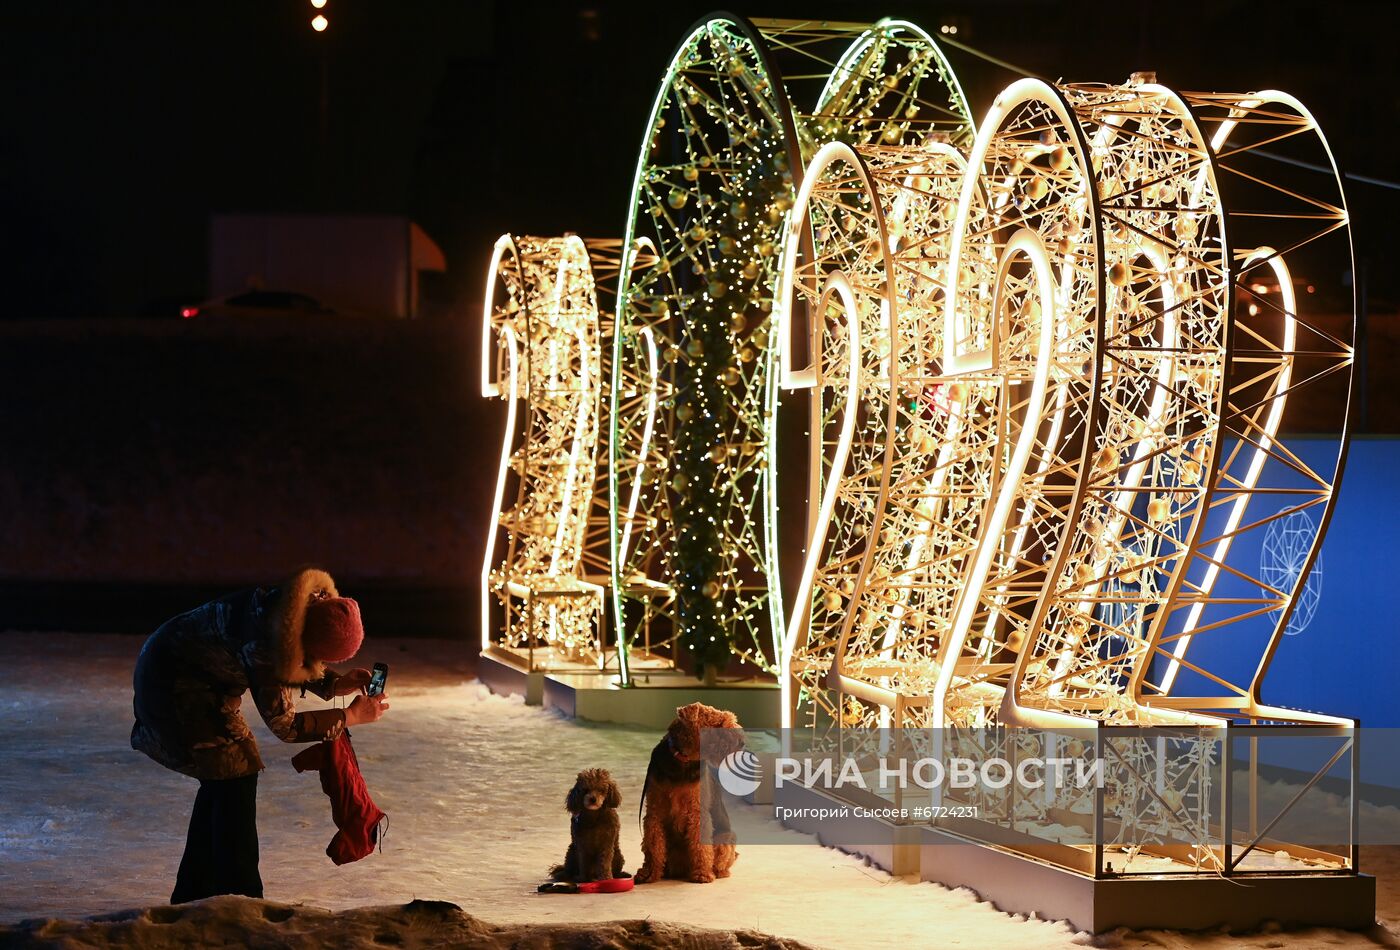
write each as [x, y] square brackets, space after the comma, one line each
[474, 785]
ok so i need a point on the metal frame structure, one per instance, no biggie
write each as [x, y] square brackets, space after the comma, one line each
[1052, 366]
[720, 165]
[541, 353]
[1047, 420]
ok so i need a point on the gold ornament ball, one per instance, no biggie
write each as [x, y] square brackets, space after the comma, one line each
[695, 348]
[680, 482]
[685, 412]
[737, 322]
[718, 454]
[731, 377]
[690, 173]
[832, 601]
[1059, 158]
[1107, 458]
[1158, 510]
[1037, 188]
[671, 354]
[1119, 274]
[677, 198]
[746, 355]
[717, 288]
[712, 590]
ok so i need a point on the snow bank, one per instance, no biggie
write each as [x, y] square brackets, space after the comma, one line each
[242, 921]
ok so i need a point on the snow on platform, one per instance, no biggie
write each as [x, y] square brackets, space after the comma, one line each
[474, 785]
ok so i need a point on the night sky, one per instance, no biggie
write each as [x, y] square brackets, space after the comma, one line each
[126, 124]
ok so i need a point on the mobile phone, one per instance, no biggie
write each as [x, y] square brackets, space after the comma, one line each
[377, 678]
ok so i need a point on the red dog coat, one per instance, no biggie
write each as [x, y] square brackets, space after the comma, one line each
[354, 812]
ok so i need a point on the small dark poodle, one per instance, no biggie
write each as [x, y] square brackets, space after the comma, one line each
[595, 848]
[687, 834]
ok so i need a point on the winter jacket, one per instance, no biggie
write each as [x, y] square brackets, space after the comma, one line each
[193, 671]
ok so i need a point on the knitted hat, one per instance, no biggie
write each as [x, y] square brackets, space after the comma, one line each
[333, 631]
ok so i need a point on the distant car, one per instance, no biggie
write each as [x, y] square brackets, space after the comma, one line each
[256, 302]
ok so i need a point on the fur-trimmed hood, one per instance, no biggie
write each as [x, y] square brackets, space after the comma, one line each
[287, 618]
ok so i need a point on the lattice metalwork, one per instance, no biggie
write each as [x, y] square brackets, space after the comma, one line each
[1084, 548]
[542, 354]
[1030, 503]
[1053, 369]
[985, 481]
[694, 395]
[1291, 371]
[877, 221]
[1160, 388]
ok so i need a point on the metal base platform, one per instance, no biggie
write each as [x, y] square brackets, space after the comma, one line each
[1017, 884]
[651, 701]
[507, 678]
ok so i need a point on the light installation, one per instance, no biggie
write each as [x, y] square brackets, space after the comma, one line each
[694, 396]
[1059, 363]
[543, 577]
[1051, 366]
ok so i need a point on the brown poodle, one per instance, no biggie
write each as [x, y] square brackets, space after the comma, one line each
[686, 834]
[595, 848]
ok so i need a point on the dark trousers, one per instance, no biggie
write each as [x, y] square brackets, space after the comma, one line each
[221, 849]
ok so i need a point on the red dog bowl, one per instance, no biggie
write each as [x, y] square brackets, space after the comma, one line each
[612, 886]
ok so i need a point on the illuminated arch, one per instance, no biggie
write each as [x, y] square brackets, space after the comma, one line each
[1280, 354]
[1138, 506]
[712, 184]
[843, 287]
[541, 353]
[720, 166]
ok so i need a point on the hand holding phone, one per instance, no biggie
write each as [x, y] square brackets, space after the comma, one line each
[377, 679]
